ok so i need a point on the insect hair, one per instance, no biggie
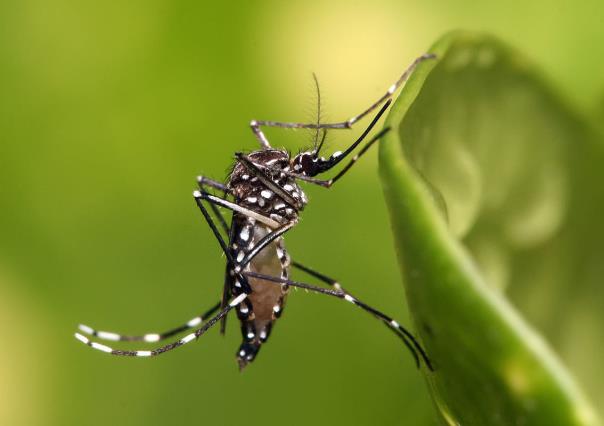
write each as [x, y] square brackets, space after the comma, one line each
[317, 130]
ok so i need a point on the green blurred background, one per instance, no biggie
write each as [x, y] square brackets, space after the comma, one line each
[108, 111]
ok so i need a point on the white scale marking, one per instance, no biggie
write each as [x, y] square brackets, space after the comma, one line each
[349, 298]
[144, 353]
[280, 253]
[240, 256]
[245, 177]
[336, 154]
[276, 308]
[288, 187]
[108, 336]
[395, 324]
[195, 321]
[241, 353]
[250, 335]
[238, 299]
[244, 234]
[187, 338]
[279, 206]
[261, 202]
[243, 309]
[266, 194]
[101, 347]
[391, 89]
[252, 215]
[86, 329]
[153, 337]
[251, 199]
[263, 335]
[81, 338]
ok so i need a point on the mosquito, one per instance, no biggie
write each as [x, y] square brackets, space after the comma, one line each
[265, 201]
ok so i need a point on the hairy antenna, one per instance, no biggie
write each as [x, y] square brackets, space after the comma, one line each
[314, 76]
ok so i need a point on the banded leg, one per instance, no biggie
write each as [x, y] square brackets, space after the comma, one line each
[256, 124]
[335, 284]
[149, 337]
[154, 352]
[408, 339]
[221, 202]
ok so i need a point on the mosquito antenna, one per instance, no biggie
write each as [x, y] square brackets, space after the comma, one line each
[316, 149]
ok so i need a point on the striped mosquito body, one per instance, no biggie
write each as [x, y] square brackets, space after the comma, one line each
[265, 199]
[266, 301]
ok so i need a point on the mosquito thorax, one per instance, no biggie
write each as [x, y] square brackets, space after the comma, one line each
[251, 192]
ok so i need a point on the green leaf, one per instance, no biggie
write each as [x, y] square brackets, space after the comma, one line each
[479, 173]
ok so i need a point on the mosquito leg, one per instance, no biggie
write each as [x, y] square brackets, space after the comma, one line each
[324, 278]
[335, 284]
[256, 124]
[202, 195]
[199, 200]
[149, 337]
[204, 182]
[188, 338]
[407, 338]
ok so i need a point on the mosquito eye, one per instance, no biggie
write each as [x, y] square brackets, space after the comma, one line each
[308, 165]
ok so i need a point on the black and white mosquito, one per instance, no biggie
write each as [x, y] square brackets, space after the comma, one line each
[265, 200]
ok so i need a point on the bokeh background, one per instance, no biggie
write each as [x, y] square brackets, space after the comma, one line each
[108, 111]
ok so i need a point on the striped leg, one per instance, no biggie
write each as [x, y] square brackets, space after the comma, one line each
[149, 337]
[188, 338]
[221, 202]
[408, 339]
[203, 183]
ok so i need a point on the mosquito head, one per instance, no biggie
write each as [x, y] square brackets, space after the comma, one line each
[308, 163]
